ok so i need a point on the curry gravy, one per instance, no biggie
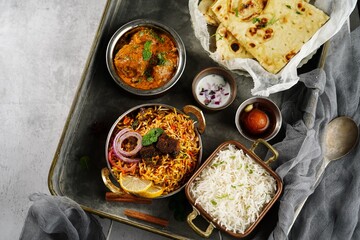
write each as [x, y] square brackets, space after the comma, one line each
[148, 59]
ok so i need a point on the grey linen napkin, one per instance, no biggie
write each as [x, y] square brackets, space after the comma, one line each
[55, 217]
[332, 210]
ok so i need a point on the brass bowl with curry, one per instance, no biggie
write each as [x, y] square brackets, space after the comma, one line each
[145, 57]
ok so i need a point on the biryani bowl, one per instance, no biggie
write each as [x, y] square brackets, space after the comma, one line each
[232, 206]
[166, 161]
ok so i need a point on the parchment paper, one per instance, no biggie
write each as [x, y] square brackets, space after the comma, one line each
[266, 83]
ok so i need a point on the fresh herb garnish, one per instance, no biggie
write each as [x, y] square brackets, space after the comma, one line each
[147, 51]
[288, 6]
[220, 36]
[255, 20]
[160, 39]
[272, 21]
[225, 195]
[152, 136]
[217, 164]
[161, 58]
[236, 10]
[297, 12]
[264, 24]
[135, 124]
[213, 202]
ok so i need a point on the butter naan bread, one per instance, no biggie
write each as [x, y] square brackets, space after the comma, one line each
[276, 34]
[204, 8]
[246, 9]
[227, 46]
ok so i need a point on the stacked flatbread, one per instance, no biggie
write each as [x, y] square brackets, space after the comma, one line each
[271, 31]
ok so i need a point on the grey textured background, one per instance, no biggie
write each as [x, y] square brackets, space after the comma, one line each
[43, 50]
[44, 46]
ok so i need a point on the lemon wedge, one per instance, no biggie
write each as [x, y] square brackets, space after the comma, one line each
[133, 184]
[152, 192]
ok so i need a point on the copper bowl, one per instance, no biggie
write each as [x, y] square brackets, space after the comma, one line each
[188, 109]
[267, 106]
[199, 209]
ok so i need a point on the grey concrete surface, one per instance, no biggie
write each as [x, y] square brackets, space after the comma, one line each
[43, 49]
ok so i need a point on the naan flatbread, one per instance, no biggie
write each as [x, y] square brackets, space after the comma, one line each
[227, 46]
[204, 8]
[246, 9]
[275, 35]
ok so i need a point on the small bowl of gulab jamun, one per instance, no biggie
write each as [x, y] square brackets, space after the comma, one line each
[258, 117]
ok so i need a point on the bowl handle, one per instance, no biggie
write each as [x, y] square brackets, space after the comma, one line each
[108, 183]
[198, 114]
[190, 219]
[271, 148]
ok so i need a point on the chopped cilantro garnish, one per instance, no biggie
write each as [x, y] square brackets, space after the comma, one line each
[135, 124]
[217, 34]
[255, 20]
[160, 39]
[225, 195]
[217, 164]
[213, 202]
[147, 51]
[272, 21]
[161, 58]
[297, 12]
[236, 10]
[288, 6]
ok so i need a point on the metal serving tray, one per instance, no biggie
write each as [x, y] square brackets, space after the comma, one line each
[76, 168]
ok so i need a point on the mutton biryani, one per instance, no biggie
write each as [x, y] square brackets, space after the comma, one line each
[155, 146]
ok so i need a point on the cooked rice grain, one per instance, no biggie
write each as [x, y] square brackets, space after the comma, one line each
[233, 189]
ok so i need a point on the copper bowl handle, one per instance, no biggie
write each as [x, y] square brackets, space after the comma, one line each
[108, 183]
[275, 153]
[190, 219]
[198, 114]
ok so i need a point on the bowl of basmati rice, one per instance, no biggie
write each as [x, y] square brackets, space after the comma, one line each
[233, 189]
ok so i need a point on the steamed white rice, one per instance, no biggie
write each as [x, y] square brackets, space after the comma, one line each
[233, 189]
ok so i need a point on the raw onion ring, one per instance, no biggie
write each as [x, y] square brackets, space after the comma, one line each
[120, 152]
[126, 159]
[126, 136]
[116, 139]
